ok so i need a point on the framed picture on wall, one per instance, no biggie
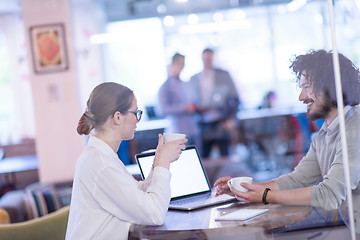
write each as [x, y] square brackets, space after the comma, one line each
[49, 48]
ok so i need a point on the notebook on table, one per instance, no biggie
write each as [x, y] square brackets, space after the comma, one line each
[190, 188]
[242, 214]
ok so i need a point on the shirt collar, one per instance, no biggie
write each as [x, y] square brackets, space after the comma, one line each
[103, 146]
[335, 123]
[173, 78]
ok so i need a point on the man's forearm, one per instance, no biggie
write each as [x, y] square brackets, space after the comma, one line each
[298, 196]
[270, 184]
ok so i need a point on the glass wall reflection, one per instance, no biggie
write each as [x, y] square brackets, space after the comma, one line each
[253, 43]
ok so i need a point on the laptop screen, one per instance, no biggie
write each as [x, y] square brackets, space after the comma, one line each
[187, 174]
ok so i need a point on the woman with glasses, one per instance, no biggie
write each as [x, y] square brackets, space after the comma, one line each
[106, 199]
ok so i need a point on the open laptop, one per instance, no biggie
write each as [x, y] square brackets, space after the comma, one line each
[190, 188]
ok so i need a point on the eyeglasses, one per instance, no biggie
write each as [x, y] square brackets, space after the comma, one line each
[137, 113]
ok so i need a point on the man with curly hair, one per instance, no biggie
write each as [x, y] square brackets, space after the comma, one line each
[319, 179]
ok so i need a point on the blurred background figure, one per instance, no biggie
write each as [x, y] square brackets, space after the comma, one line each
[262, 136]
[218, 102]
[175, 102]
[269, 100]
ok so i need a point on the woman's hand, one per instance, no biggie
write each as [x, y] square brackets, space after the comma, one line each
[222, 187]
[167, 153]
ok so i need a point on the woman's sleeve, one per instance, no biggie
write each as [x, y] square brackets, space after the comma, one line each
[143, 185]
[119, 194]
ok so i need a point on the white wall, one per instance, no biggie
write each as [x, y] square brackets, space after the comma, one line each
[22, 124]
[87, 19]
[55, 97]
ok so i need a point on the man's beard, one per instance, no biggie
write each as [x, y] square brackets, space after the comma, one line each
[321, 112]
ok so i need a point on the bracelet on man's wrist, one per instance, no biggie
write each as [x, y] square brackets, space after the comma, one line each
[265, 195]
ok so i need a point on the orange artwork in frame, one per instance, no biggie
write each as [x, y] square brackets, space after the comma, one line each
[48, 48]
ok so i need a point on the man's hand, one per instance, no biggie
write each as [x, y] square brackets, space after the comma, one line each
[191, 108]
[222, 187]
[254, 195]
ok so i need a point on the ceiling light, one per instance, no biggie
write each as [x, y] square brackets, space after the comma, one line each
[218, 17]
[161, 9]
[169, 21]
[193, 19]
[295, 5]
[241, 14]
[318, 18]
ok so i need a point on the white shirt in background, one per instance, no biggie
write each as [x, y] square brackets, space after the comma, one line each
[206, 86]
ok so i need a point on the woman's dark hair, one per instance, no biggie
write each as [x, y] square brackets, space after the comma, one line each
[106, 99]
[318, 65]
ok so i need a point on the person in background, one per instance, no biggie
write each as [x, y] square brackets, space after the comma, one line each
[106, 199]
[218, 101]
[265, 130]
[269, 100]
[175, 102]
[318, 180]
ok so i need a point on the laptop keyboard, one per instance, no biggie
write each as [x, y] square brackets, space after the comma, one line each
[203, 198]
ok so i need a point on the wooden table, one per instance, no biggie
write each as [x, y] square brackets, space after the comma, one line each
[18, 164]
[200, 224]
[11, 165]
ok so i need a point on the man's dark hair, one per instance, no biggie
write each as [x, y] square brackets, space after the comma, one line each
[318, 65]
[208, 50]
[176, 56]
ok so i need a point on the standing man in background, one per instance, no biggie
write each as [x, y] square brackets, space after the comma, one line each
[174, 102]
[218, 102]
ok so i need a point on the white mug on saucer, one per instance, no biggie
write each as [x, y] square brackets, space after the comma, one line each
[169, 137]
[236, 183]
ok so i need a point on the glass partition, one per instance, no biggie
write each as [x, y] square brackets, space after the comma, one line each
[255, 44]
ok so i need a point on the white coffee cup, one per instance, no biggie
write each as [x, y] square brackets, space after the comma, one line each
[169, 137]
[236, 183]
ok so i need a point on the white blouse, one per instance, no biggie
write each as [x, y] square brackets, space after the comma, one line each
[106, 198]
